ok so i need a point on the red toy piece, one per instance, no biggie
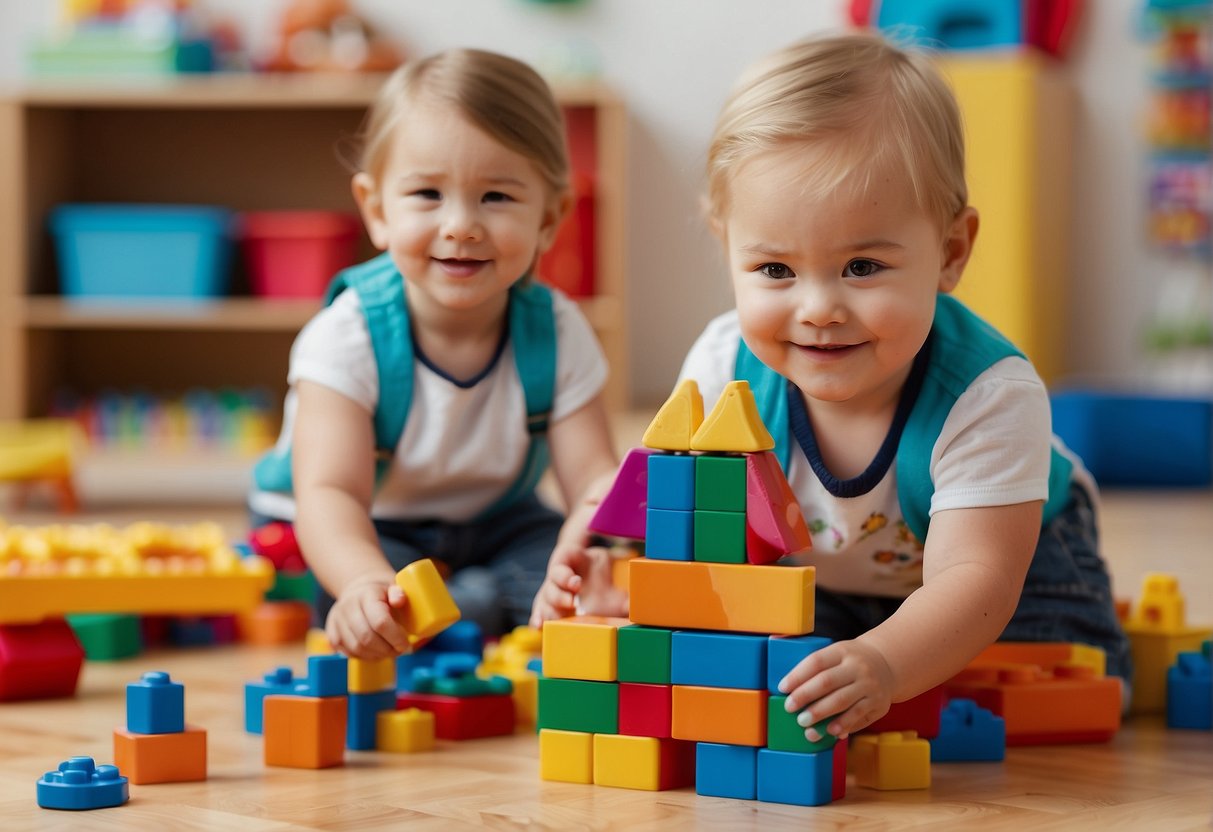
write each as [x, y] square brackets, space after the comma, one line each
[645, 710]
[277, 542]
[39, 661]
[464, 718]
[920, 714]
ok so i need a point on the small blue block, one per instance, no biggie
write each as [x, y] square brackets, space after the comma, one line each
[406, 663]
[328, 675]
[1190, 692]
[80, 784]
[362, 719]
[672, 482]
[969, 733]
[280, 680]
[726, 770]
[461, 637]
[785, 652]
[718, 660]
[450, 665]
[799, 779]
[155, 705]
[535, 665]
[956, 24]
[669, 535]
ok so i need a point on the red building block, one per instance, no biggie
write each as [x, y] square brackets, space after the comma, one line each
[838, 786]
[920, 714]
[645, 710]
[39, 661]
[464, 718]
[774, 524]
[277, 542]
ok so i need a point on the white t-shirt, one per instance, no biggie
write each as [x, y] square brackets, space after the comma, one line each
[462, 447]
[994, 449]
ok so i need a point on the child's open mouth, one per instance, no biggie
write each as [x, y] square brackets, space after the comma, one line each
[458, 267]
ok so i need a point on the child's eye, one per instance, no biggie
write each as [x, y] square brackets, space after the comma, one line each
[427, 193]
[776, 271]
[861, 268]
[496, 196]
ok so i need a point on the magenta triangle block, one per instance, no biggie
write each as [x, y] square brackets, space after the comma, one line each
[774, 523]
[622, 511]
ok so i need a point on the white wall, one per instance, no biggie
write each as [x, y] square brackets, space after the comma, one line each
[674, 60]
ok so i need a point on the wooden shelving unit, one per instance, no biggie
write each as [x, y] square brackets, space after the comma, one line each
[243, 142]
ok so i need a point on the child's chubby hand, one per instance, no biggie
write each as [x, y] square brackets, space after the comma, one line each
[364, 622]
[578, 582]
[849, 683]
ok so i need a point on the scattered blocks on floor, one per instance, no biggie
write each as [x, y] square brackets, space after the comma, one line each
[305, 731]
[404, 732]
[891, 761]
[81, 784]
[459, 718]
[161, 758]
[969, 733]
[39, 661]
[566, 756]
[1190, 691]
[643, 762]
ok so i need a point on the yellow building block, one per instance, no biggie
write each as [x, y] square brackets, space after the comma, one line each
[566, 756]
[722, 596]
[512, 652]
[404, 732]
[1044, 654]
[677, 420]
[430, 609]
[525, 695]
[643, 762]
[734, 424]
[891, 760]
[1153, 653]
[371, 676]
[316, 643]
[1161, 605]
[581, 647]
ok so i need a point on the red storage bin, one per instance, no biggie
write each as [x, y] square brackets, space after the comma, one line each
[294, 254]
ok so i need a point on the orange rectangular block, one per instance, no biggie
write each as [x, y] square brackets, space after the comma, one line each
[722, 596]
[275, 622]
[304, 731]
[1043, 654]
[161, 758]
[732, 716]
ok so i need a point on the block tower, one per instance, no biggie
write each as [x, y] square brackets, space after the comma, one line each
[685, 692]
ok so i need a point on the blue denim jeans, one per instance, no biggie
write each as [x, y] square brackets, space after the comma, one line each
[1067, 595]
[495, 565]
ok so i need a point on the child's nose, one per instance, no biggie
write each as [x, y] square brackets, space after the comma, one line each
[461, 222]
[820, 303]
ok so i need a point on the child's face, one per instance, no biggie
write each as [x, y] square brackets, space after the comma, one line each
[463, 216]
[836, 292]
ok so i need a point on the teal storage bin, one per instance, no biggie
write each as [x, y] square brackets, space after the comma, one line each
[142, 251]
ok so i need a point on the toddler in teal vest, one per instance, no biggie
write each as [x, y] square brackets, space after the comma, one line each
[918, 440]
[428, 396]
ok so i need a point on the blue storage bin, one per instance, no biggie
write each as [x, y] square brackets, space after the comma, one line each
[127, 251]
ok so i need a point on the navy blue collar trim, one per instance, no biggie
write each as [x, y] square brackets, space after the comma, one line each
[467, 383]
[802, 429]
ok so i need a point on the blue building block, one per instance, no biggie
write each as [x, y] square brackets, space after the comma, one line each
[536, 666]
[726, 770]
[406, 663]
[328, 675]
[80, 784]
[461, 637]
[718, 660]
[672, 482]
[956, 24]
[280, 680]
[1138, 441]
[785, 652]
[455, 664]
[155, 705]
[799, 779]
[362, 716]
[191, 631]
[969, 733]
[1190, 691]
[669, 535]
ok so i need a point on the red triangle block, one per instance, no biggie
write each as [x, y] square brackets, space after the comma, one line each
[774, 524]
[622, 511]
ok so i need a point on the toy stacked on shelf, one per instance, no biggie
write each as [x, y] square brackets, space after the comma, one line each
[157, 745]
[685, 692]
[1158, 633]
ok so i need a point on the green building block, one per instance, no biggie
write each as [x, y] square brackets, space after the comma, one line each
[107, 636]
[575, 705]
[292, 586]
[784, 734]
[719, 536]
[469, 685]
[720, 483]
[643, 655]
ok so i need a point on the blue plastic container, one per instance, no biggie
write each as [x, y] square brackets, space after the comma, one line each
[142, 251]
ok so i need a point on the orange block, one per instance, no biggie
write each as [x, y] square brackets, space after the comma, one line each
[722, 596]
[161, 758]
[1043, 654]
[304, 731]
[733, 716]
[276, 622]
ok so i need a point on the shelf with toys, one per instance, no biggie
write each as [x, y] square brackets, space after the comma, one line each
[243, 143]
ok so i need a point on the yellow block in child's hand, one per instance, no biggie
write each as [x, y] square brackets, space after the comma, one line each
[430, 608]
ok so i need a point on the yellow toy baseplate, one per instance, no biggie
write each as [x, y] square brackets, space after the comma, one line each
[146, 568]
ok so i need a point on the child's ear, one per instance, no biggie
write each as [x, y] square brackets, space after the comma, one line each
[957, 247]
[556, 210]
[366, 194]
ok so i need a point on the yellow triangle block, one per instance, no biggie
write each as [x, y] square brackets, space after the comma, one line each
[677, 420]
[734, 424]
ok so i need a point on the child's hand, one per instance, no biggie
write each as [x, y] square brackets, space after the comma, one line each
[849, 683]
[363, 622]
[578, 582]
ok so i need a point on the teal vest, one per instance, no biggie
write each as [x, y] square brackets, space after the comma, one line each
[963, 347]
[380, 289]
